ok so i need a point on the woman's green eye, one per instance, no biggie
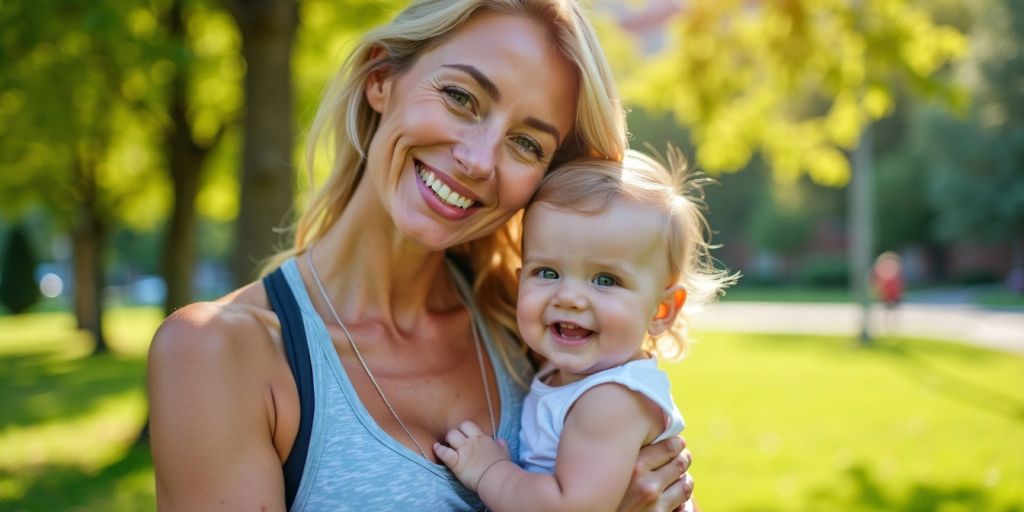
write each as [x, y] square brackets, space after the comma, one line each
[605, 280]
[458, 95]
[529, 145]
[547, 273]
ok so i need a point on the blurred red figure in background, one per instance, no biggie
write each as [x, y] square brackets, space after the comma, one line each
[888, 284]
[889, 278]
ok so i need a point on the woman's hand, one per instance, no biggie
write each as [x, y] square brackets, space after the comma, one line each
[660, 481]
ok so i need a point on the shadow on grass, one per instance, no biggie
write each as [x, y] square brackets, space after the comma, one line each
[917, 368]
[42, 386]
[123, 485]
[867, 492]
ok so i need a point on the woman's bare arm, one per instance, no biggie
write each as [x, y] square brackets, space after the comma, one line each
[212, 412]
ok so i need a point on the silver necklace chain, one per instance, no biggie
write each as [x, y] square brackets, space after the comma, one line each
[373, 380]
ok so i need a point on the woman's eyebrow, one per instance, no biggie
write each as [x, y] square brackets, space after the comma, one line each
[486, 83]
[545, 127]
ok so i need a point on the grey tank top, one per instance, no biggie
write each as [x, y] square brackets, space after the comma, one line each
[352, 463]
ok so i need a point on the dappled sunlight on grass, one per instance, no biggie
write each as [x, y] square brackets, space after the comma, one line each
[91, 439]
[68, 418]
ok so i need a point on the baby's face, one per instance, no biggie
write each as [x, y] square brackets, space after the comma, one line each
[590, 284]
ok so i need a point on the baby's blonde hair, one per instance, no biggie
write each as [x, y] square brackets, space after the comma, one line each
[590, 185]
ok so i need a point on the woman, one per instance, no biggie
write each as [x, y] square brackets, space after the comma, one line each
[443, 123]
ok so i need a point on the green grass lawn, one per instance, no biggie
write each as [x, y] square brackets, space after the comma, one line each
[68, 421]
[781, 423]
[776, 423]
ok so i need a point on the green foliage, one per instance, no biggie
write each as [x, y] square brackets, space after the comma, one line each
[79, 113]
[794, 80]
[18, 290]
[904, 215]
[781, 227]
[978, 190]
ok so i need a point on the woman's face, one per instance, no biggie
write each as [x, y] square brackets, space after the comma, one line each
[468, 131]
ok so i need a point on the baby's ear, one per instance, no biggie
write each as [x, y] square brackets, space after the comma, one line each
[519, 272]
[672, 300]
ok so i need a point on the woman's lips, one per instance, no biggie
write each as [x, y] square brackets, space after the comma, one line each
[440, 197]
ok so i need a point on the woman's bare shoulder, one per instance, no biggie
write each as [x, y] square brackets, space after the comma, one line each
[241, 320]
[219, 386]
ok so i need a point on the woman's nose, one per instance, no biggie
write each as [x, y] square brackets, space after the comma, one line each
[477, 153]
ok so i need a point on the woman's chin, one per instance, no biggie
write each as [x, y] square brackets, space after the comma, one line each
[428, 235]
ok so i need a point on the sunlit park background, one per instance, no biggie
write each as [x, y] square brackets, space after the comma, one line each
[148, 148]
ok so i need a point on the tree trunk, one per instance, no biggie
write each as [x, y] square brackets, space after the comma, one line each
[268, 29]
[87, 246]
[185, 160]
[861, 232]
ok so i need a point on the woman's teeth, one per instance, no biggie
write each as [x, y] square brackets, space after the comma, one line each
[446, 194]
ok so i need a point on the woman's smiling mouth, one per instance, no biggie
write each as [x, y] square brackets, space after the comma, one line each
[441, 190]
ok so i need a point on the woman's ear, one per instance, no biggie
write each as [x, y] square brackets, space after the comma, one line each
[672, 300]
[379, 81]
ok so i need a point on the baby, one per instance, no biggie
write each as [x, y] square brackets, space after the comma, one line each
[611, 250]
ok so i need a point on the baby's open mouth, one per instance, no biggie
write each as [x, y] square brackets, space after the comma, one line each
[571, 331]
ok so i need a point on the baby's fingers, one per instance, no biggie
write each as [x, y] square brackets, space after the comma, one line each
[470, 429]
[447, 455]
[455, 438]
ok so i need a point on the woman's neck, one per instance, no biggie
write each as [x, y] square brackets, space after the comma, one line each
[374, 274]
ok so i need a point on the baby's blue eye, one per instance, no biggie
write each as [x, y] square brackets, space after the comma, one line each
[605, 280]
[547, 273]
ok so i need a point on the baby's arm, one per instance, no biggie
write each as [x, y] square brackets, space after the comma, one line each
[596, 454]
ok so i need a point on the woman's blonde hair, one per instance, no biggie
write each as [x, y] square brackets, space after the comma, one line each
[347, 123]
[589, 186]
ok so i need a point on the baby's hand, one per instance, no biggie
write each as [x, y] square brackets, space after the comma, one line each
[470, 453]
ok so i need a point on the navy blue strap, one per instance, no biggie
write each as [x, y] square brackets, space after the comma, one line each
[294, 336]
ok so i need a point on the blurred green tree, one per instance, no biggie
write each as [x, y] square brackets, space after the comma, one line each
[203, 105]
[266, 182]
[782, 224]
[18, 289]
[978, 188]
[79, 117]
[797, 80]
[961, 178]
